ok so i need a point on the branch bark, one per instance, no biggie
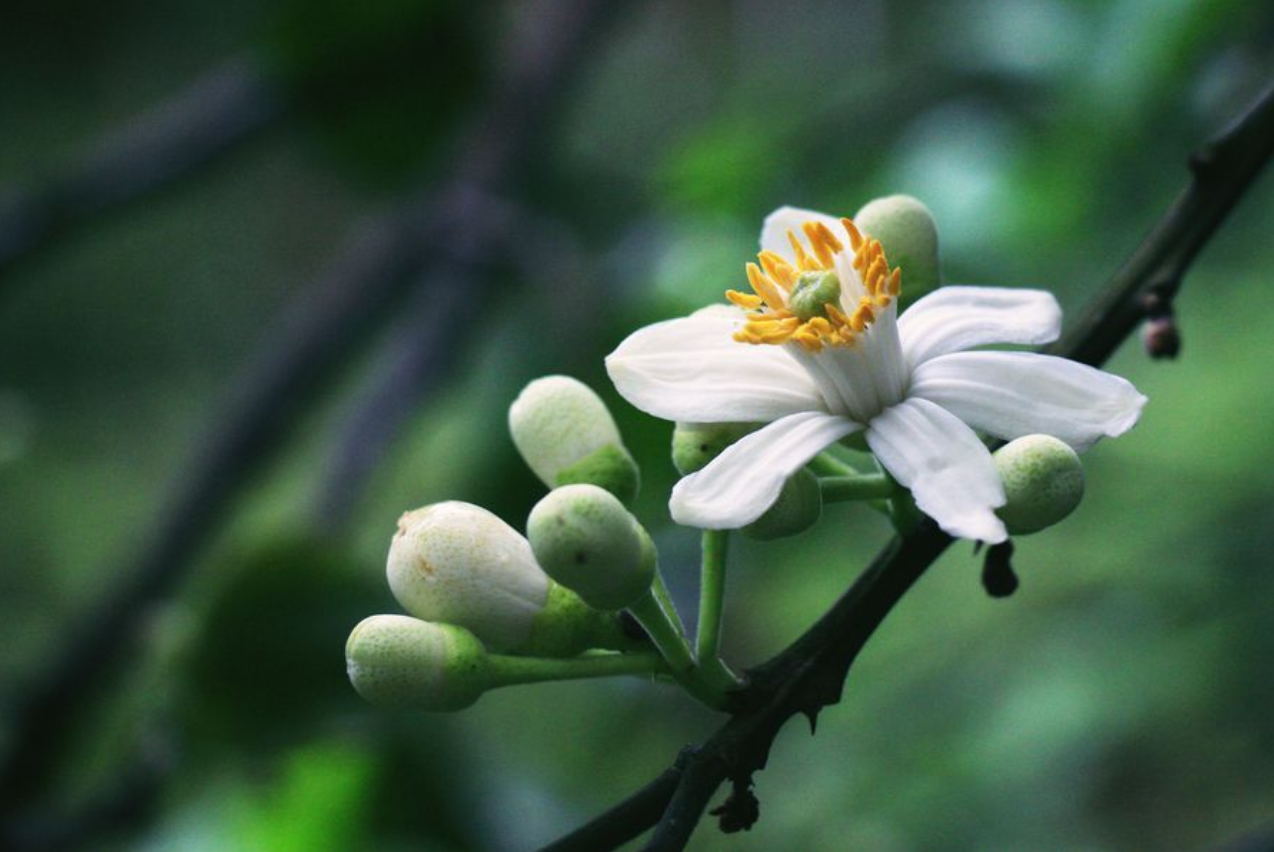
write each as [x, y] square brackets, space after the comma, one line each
[810, 674]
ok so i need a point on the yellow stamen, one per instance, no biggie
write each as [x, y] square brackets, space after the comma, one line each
[764, 287]
[895, 282]
[746, 301]
[779, 270]
[855, 236]
[803, 261]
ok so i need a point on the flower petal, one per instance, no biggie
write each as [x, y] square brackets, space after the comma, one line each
[952, 319]
[1010, 394]
[693, 370]
[950, 472]
[740, 484]
[778, 223]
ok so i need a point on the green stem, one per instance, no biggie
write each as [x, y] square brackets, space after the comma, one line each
[826, 464]
[671, 642]
[507, 671]
[711, 593]
[863, 486]
[660, 591]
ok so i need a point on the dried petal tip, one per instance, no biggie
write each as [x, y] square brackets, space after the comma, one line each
[1043, 482]
[1161, 337]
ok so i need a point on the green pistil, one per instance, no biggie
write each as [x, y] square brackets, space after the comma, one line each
[812, 292]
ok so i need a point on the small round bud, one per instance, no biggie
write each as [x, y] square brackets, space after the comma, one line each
[811, 293]
[566, 435]
[458, 563]
[587, 541]
[696, 444]
[906, 229]
[799, 506]
[397, 661]
[1161, 337]
[1043, 482]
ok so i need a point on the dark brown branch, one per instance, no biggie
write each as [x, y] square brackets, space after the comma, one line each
[810, 674]
[352, 297]
[222, 109]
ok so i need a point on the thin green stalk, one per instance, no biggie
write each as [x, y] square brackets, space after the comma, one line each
[711, 594]
[826, 464]
[862, 486]
[506, 670]
[660, 591]
[672, 644]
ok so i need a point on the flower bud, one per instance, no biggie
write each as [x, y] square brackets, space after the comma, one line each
[587, 541]
[696, 444]
[906, 229]
[458, 563]
[397, 661]
[566, 435]
[1043, 482]
[799, 506]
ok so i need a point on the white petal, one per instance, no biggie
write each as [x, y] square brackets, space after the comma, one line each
[952, 319]
[1010, 394]
[745, 480]
[949, 471]
[778, 223]
[693, 370]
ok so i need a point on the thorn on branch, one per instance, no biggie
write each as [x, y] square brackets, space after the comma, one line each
[740, 810]
[998, 577]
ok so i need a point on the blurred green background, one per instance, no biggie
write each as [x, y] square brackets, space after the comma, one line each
[1121, 700]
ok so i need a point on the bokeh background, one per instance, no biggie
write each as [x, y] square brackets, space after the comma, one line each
[271, 273]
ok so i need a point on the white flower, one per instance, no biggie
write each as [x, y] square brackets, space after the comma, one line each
[817, 374]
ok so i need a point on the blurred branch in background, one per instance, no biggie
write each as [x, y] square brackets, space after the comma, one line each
[380, 262]
[810, 674]
[221, 110]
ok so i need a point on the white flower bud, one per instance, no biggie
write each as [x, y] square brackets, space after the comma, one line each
[906, 229]
[397, 661]
[1043, 482]
[587, 541]
[696, 444]
[460, 564]
[798, 507]
[566, 435]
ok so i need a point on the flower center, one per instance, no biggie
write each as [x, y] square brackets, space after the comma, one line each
[809, 303]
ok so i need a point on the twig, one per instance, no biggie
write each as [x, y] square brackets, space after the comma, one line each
[222, 109]
[810, 674]
[354, 295]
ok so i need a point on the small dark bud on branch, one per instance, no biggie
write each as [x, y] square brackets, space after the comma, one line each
[740, 811]
[1161, 337]
[997, 571]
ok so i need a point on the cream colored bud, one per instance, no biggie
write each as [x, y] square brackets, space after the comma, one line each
[460, 564]
[566, 435]
[587, 541]
[1043, 482]
[906, 229]
[398, 661]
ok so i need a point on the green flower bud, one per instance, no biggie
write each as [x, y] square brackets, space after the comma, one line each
[798, 508]
[811, 293]
[1043, 482]
[567, 626]
[566, 435]
[906, 229]
[460, 564]
[587, 541]
[397, 661]
[696, 444]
